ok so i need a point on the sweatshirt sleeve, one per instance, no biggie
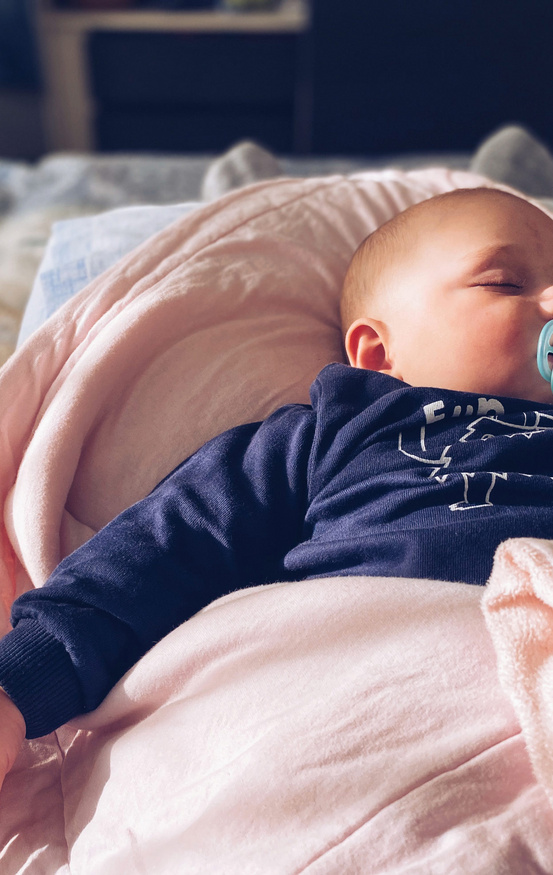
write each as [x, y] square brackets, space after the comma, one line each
[224, 519]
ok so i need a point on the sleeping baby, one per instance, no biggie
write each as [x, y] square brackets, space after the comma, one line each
[417, 460]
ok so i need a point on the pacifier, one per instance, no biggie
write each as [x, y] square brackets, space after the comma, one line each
[544, 349]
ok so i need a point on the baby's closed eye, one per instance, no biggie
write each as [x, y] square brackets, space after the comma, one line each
[513, 287]
[503, 280]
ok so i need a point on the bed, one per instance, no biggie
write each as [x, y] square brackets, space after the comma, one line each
[340, 725]
[34, 197]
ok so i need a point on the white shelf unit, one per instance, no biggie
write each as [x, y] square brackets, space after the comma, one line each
[68, 102]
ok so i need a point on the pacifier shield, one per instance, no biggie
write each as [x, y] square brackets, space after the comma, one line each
[544, 350]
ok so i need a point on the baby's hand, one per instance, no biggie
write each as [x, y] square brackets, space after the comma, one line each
[12, 733]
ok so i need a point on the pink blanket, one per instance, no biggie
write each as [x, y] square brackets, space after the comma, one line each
[518, 607]
[348, 725]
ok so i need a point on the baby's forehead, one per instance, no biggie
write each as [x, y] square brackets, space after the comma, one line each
[425, 229]
[460, 204]
[462, 217]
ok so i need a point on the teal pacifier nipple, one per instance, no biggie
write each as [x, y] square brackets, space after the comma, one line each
[544, 350]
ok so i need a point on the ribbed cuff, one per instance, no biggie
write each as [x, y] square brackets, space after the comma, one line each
[37, 674]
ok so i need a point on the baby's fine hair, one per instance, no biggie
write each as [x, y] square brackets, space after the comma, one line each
[373, 262]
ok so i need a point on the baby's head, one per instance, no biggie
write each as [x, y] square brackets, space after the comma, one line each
[453, 293]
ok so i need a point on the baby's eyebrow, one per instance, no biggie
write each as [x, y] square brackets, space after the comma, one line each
[481, 258]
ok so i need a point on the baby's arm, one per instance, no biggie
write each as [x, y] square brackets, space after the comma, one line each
[222, 520]
[12, 733]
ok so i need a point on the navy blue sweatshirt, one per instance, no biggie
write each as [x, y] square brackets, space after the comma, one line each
[375, 478]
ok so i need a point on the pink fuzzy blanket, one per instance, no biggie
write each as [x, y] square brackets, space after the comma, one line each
[518, 607]
[352, 725]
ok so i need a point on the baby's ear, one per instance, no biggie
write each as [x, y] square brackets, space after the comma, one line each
[367, 345]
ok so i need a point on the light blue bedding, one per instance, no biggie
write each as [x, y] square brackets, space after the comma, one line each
[80, 249]
[114, 190]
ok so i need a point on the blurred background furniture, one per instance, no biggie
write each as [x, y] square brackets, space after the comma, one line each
[174, 81]
[343, 78]
[302, 76]
[396, 76]
[21, 132]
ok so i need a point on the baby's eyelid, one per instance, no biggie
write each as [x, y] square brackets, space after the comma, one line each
[505, 288]
[503, 285]
[499, 275]
[500, 288]
[492, 282]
